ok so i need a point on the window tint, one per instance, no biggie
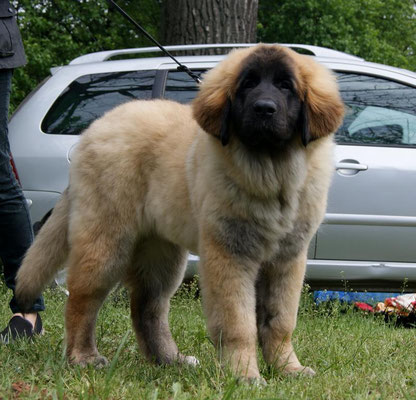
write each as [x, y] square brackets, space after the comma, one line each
[181, 87]
[378, 112]
[90, 96]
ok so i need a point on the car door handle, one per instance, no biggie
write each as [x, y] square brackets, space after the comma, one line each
[350, 165]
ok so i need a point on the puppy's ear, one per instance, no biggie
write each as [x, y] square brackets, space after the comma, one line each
[303, 124]
[325, 109]
[225, 124]
[211, 108]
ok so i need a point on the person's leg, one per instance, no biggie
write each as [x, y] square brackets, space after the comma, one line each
[16, 234]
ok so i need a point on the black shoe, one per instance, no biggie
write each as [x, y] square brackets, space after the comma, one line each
[19, 327]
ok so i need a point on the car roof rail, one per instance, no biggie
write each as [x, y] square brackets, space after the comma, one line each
[101, 56]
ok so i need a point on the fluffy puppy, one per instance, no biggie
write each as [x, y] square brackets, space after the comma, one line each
[239, 177]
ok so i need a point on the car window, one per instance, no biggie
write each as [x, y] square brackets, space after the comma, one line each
[379, 112]
[181, 87]
[90, 96]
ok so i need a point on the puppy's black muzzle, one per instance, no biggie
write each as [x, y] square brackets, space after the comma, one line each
[265, 108]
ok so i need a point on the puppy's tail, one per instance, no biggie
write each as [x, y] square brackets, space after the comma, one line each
[45, 257]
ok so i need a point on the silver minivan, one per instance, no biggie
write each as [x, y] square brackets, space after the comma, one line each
[368, 237]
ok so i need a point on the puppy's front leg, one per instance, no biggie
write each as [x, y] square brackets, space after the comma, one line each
[228, 290]
[279, 286]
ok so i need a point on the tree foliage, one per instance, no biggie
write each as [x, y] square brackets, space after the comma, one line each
[56, 31]
[377, 30]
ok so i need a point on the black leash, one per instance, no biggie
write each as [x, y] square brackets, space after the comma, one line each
[181, 67]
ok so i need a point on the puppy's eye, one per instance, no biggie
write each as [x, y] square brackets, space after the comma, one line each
[283, 84]
[250, 82]
[286, 85]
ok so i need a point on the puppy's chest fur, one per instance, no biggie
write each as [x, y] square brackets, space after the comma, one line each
[262, 228]
[269, 232]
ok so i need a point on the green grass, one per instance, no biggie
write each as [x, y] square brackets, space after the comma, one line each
[355, 356]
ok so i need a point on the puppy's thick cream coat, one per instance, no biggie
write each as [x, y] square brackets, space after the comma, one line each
[240, 177]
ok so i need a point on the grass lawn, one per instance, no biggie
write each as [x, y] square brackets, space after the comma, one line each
[355, 356]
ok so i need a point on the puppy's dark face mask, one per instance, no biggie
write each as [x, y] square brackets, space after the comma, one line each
[266, 112]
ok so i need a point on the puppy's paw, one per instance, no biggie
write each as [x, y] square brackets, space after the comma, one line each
[188, 360]
[97, 361]
[253, 381]
[100, 362]
[308, 371]
[300, 370]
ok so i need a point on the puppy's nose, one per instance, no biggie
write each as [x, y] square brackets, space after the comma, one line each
[265, 107]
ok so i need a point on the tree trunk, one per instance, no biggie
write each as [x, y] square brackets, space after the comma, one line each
[208, 21]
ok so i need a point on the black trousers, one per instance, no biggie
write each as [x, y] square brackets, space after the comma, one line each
[16, 234]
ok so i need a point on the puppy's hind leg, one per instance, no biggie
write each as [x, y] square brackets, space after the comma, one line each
[153, 279]
[97, 262]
